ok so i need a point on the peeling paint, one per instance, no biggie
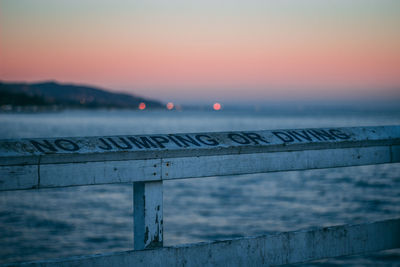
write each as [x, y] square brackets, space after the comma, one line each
[146, 235]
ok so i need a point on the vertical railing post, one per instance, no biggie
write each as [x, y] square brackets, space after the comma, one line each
[147, 215]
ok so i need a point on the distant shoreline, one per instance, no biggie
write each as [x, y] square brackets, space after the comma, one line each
[55, 96]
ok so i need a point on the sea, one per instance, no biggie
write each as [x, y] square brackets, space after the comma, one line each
[84, 220]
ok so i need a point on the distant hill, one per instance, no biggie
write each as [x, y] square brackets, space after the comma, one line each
[67, 95]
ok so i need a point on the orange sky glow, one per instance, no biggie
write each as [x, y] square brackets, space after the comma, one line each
[298, 50]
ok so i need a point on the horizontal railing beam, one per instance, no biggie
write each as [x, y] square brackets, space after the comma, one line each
[143, 147]
[179, 168]
[107, 172]
[283, 248]
[361, 146]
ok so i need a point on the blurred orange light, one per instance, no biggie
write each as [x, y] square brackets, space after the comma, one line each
[217, 106]
[170, 105]
[142, 106]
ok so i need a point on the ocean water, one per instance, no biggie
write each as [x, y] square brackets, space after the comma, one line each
[54, 223]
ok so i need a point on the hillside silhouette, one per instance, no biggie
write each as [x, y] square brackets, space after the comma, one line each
[68, 95]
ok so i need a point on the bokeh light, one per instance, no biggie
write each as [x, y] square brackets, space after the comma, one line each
[170, 105]
[217, 106]
[142, 106]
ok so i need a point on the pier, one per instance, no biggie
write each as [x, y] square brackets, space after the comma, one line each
[146, 161]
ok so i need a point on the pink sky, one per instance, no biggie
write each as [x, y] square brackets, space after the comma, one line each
[245, 52]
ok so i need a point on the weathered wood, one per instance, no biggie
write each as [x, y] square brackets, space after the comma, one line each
[98, 160]
[179, 168]
[282, 248]
[395, 153]
[147, 160]
[91, 173]
[148, 215]
[73, 174]
[19, 177]
[85, 149]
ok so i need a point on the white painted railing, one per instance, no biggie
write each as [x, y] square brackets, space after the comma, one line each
[147, 160]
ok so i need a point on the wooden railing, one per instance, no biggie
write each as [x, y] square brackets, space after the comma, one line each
[148, 160]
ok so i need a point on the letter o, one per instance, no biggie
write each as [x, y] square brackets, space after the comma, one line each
[66, 145]
[242, 140]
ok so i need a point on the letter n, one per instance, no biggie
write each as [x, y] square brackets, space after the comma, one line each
[45, 145]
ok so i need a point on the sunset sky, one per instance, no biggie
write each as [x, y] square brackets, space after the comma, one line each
[209, 50]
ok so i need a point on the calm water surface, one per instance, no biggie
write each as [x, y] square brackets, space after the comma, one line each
[53, 223]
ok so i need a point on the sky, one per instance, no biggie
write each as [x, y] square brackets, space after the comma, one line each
[211, 50]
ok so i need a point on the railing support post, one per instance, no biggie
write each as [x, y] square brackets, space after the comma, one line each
[147, 215]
